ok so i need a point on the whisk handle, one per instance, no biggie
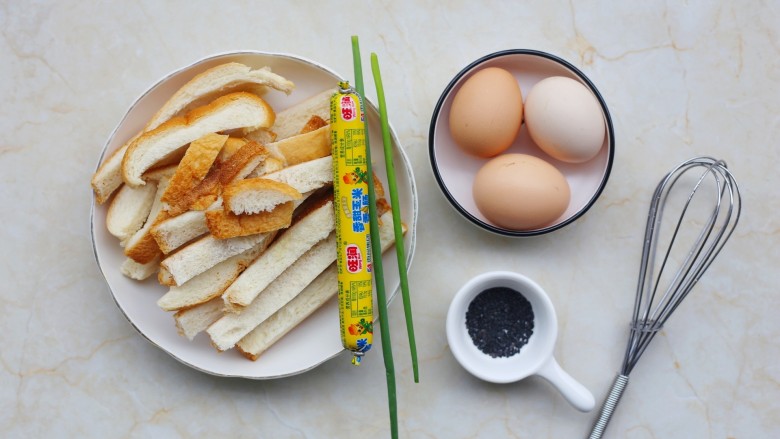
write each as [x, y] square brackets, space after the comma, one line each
[621, 381]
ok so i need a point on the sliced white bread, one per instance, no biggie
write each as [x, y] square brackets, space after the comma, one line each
[232, 145]
[137, 271]
[255, 195]
[219, 79]
[192, 321]
[317, 293]
[302, 147]
[194, 166]
[108, 177]
[306, 176]
[231, 328]
[172, 233]
[205, 253]
[141, 247]
[288, 247]
[262, 136]
[243, 162]
[233, 111]
[269, 165]
[314, 123]
[129, 209]
[291, 121]
[211, 283]
[158, 172]
[205, 194]
[225, 225]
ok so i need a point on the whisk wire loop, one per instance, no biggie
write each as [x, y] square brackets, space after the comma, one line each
[659, 293]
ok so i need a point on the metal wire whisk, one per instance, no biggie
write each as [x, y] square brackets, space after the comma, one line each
[660, 291]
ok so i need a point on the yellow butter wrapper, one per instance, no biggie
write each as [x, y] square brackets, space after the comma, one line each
[350, 201]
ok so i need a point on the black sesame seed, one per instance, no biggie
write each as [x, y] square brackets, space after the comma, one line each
[500, 321]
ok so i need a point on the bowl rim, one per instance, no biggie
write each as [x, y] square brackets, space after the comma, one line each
[531, 362]
[440, 181]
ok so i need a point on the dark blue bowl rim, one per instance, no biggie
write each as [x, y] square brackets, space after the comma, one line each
[449, 196]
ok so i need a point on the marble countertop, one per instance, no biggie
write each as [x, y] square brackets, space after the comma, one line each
[680, 79]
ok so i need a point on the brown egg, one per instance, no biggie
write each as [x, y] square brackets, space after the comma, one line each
[520, 192]
[487, 112]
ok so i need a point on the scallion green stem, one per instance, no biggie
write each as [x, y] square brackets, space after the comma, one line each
[376, 250]
[395, 205]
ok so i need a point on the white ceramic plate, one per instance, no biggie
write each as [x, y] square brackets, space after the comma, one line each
[316, 339]
[454, 169]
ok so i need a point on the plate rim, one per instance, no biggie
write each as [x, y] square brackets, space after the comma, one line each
[398, 148]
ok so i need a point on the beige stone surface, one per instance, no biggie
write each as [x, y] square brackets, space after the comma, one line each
[681, 79]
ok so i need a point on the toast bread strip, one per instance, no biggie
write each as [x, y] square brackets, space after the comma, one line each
[165, 278]
[205, 194]
[287, 248]
[137, 271]
[314, 123]
[317, 293]
[225, 225]
[291, 121]
[231, 328]
[108, 177]
[179, 230]
[194, 166]
[220, 80]
[262, 136]
[306, 176]
[255, 195]
[141, 247]
[233, 111]
[192, 321]
[232, 145]
[302, 147]
[269, 165]
[158, 172]
[211, 283]
[205, 253]
[240, 164]
[129, 209]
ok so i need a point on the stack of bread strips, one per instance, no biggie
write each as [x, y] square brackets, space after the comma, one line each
[285, 304]
[318, 292]
[222, 79]
[231, 205]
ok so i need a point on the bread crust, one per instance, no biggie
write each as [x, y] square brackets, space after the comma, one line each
[258, 187]
[211, 283]
[303, 147]
[314, 123]
[224, 78]
[154, 142]
[223, 225]
[194, 167]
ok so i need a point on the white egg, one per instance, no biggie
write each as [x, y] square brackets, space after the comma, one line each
[565, 119]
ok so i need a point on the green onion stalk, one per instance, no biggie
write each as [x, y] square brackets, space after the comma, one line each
[395, 205]
[376, 249]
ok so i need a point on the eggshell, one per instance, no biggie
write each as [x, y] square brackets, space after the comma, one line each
[487, 112]
[520, 192]
[564, 119]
